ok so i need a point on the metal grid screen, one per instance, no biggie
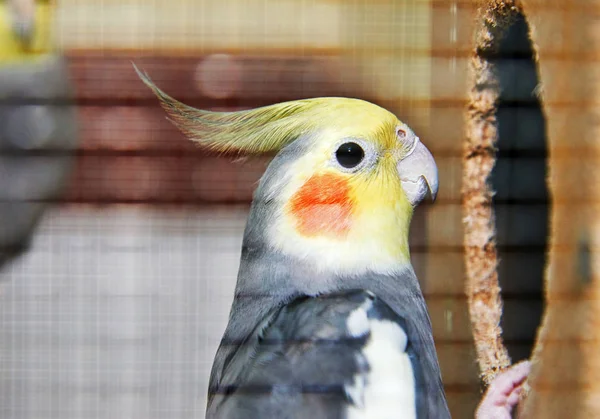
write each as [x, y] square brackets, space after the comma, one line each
[112, 304]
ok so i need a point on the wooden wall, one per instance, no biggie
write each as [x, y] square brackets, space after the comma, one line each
[565, 375]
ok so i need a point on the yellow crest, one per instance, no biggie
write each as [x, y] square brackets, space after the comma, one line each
[270, 128]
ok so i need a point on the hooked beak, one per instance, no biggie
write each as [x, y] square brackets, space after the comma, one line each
[418, 173]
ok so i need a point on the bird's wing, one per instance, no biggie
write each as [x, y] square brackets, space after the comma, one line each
[335, 356]
[431, 397]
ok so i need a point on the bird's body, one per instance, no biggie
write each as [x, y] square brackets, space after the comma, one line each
[327, 237]
[374, 375]
[327, 350]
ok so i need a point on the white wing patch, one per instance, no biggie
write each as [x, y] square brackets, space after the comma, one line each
[358, 321]
[387, 389]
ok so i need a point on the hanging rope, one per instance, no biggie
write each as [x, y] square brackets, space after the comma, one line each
[479, 157]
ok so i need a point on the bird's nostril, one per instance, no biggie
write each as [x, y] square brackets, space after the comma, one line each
[401, 134]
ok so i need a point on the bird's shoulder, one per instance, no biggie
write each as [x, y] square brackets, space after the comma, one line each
[328, 355]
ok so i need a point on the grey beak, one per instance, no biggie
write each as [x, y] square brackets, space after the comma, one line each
[418, 173]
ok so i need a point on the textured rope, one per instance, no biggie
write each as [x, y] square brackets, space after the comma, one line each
[479, 156]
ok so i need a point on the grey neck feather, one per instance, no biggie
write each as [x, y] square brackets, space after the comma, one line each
[268, 278]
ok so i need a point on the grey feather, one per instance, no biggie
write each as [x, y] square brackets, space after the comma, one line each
[38, 138]
[298, 362]
[298, 365]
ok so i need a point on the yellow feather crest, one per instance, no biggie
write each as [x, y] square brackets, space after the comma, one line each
[255, 131]
[269, 128]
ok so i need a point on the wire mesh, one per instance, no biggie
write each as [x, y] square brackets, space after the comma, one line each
[115, 303]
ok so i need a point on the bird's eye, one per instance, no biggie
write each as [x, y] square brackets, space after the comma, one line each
[349, 155]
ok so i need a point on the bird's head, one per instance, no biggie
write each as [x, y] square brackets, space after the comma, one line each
[341, 189]
[25, 30]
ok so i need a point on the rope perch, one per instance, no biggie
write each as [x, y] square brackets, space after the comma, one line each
[479, 156]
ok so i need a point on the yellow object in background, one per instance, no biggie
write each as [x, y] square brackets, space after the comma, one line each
[25, 29]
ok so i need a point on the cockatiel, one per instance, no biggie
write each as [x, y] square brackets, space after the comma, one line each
[328, 319]
[38, 125]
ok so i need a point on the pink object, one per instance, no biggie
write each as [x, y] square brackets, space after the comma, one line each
[504, 393]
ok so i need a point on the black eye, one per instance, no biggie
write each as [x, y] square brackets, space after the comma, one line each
[349, 155]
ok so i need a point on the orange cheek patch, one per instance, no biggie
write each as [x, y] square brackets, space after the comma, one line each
[322, 206]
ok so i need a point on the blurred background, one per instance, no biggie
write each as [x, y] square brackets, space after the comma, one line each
[120, 240]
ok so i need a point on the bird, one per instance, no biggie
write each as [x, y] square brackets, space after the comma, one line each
[38, 124]
[328, 318]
